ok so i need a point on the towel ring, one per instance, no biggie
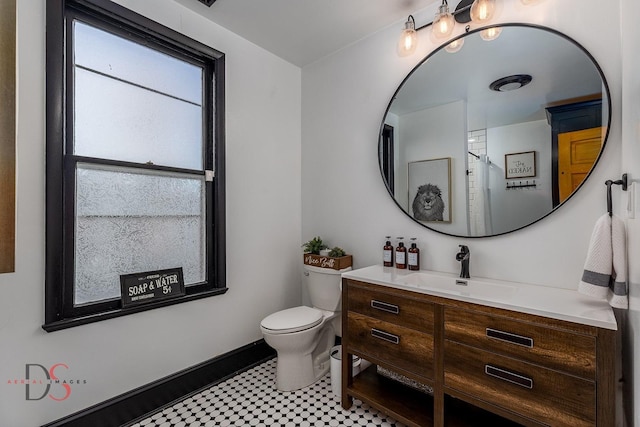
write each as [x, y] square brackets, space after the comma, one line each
[622, 182]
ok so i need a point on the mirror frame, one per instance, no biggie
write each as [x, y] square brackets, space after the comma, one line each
[605, 91]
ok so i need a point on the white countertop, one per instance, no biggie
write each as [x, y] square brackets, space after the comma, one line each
[556, 303]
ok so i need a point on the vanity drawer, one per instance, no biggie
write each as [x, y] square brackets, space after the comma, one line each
[401, 348]
[547, 396]
[553, 348]
[391, 307]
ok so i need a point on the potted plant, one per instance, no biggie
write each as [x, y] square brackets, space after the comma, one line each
[337, 252]
[317, 254]
[314, 246]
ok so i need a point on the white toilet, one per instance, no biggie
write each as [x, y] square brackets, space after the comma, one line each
[303, 336]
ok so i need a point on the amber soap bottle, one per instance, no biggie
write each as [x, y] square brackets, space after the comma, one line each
[413, 256]
[387, 253]
[401, 255]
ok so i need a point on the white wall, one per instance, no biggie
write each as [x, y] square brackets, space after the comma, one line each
[525, 205]
[344, 100]
[263, 96]
[630, 10]
[422, 127]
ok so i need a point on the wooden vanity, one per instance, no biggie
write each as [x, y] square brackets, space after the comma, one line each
[535, 356]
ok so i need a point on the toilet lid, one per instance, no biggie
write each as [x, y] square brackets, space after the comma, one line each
[292, 320]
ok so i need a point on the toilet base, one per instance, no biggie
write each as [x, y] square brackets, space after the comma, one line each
[296, 369]
[293, 373]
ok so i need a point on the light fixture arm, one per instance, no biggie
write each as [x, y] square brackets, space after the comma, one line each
[411, 19]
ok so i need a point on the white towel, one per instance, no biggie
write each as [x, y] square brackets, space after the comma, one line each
[605, 269]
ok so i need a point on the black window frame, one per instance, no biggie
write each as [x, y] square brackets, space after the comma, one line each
[60, 312]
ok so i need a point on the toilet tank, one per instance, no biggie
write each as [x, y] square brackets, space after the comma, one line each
[324, 287]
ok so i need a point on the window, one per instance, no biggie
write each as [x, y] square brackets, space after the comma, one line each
[135, 160]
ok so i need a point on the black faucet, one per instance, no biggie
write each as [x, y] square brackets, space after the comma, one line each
[463, 257]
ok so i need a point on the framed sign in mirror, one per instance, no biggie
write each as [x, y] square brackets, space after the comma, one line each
[520, 165]
[7, 134]
[507, 108]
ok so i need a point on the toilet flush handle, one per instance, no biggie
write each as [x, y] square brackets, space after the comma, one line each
[306, 273]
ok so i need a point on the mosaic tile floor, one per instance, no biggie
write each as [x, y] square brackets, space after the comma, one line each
[250, 399]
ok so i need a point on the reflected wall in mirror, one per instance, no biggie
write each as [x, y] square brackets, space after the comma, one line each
[531, 89]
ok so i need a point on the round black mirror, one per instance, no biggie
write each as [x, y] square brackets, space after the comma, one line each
[491, 137]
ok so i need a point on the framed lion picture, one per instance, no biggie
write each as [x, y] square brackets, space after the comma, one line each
[429, 184]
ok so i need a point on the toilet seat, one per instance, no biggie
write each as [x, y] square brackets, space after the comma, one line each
[292, 320]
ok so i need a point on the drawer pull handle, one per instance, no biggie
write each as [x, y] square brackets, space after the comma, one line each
[510, 338]
[394, 339]
[511, 377]
[383, 306]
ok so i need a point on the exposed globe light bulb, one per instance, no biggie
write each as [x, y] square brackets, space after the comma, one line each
[409, 38]
[455, 45]
[443, 23]
[489, 34]
[482, 11]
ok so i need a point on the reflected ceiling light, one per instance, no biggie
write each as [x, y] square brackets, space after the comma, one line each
[482, 11]
[443, 23]
[509, 83]
[409, 38]
[489, 34]
[455, 45]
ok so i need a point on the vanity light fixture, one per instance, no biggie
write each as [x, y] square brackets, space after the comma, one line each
[409, 38]
[478, 11]
[482, 11]
[509, 83]
[444, 22]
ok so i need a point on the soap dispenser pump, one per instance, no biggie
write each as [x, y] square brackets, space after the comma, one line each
[401, 255]
[413, 256]
[387, 253]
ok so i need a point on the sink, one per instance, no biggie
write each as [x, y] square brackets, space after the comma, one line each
[454, 285]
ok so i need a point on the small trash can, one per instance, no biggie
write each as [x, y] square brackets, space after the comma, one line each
[336, 369]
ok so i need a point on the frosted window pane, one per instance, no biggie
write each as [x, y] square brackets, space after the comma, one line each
[130, 221]
[119, 121]
[129, 61]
